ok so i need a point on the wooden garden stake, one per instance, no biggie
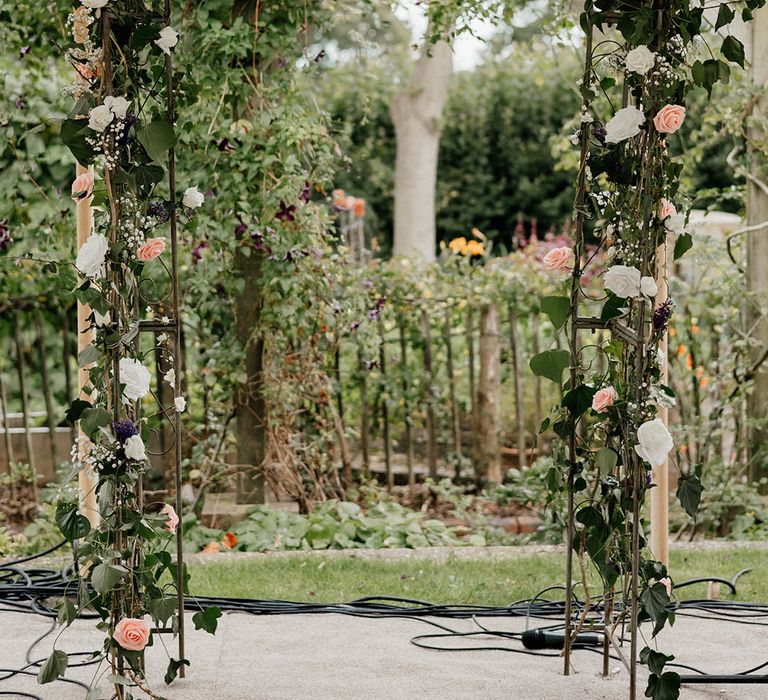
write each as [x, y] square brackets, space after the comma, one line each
[384, 407]
[455, 420]
[364, 424]
[514, 347]
[429, 397]
[46, 386]
[406, 407]
[471, 368]
[4, 416]
[21, 370]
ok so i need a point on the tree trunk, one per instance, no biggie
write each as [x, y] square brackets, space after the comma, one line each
[757, 250]
[250, 422]
[416, 111]
[488, 391]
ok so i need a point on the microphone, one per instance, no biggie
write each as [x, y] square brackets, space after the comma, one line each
[551, 639]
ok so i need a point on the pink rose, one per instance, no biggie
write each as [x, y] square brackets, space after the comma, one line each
[173, 518]
[603, 399]
[559, 259]
[667, 584]
[667, 209]
[82, 187]
[131, 633]
[151, 248]
[669, 119]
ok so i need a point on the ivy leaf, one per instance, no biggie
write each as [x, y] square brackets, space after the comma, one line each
[147, 176]
[606, 459]
[161, 609]
[73, 133]
[105, 576]
[590, 516]
[733, 50]
[94, 418]
[156, 137]
[96, 693]
[654, 660]
[53, 668]
[663, 687]
[173, 669]
[207, 619]
[550, 364]
[88, 355]
[689, 490]
[76, 409]
[71, 522]
[724, 16]
[683, 244]
[614, 306]
[66, 612]
[579, 399]
[654, 600]
[557, 308]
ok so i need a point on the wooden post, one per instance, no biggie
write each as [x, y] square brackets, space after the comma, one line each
[4, 416]
[660, 474]
[21, 370]
[384, 407]
[86, 482]
[471, 370]
[514, 348]
[66, 359]
[535, 349]
[407, 418]
[429, 397]
[455, 420]
[489, 388]
[364, 424]
[43, 360]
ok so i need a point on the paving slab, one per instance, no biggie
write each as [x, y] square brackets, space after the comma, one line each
[339, 657]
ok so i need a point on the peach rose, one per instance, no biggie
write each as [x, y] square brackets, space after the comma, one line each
[82, 187]
[230, 540]
[603, 399]
[173, 518]
[559, 259]
[359, 208]
[669, 119]
[150, 249]
[667, 209]
[667, 582]
[132, 633]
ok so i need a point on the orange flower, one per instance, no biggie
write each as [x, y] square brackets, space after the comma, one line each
[695, 328]
[681, 350]
[458, 245]
[338, 197]
[689, 361]
[672, 332]
[474, 248]
[704, 382]
[211, 548]
[359, 208]
[699, 372]
[230, 540]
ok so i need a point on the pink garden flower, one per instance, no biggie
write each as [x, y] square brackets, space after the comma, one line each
[667, 209]
[559, 259]
[667, 582]
[669, 119]
[150, 249]
[82, 187]
[173, 518]
[132, 633]
[603, 399]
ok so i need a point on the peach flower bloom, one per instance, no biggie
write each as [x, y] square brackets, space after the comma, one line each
[82, 187]
[667, 209]
[559, 259]
[211, 548]
[669, 119]
[173, 518]
[359, 208]
[132, 633]
[230, 540]
[667, 584]
[603, 399]
[150, 249]
[338, 197]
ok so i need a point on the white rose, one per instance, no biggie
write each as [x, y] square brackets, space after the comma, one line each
[94, 4]
[90, 258]
[135, 377]
[624, 125]
[623, 281]
[655, 442]
[170, 376]
[648, 287]
[117, 105]
[180, 403]
[100, 118]
[193, 198]
[640, 60]
[100, 320]
[169, 37]
[134, 448]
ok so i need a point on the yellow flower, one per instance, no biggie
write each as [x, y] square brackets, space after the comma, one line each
[458, 245]
[474, 248]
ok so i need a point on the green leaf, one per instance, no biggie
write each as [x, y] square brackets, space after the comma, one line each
[683, 244]
[654, 660]
[105, 576]
[606, 459]
[173, 669]
[161, 609]
[733, 50]
[590, 516]
[207, 619]
[75, 410]
[96, 693]
[689, 490]
[67, 612]
[147, 176]
[73, 133]
[73, 524]
[664, 687]
[550, 364]
[53, 668]
[654, 600]
[612, 308]
[579, 399]
[558, 309]
[88, 355]
[157, 137]
[697, 73]
[724, 16]
[94, 418]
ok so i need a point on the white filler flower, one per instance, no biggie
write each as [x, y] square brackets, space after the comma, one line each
[624, 125]
[90, 258]
[193, 198]
[100, 118]
[135, 377]
[655, 442]
[169, 37]
[640, 60]
[134, 448]
[117, 105]
[180, 404]
[623, 281]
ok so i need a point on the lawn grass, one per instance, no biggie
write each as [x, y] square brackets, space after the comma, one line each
[486, 581]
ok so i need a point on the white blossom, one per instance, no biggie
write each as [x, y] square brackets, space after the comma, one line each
[169, 37]
[90, 258]
[117, 105]
[623, 281]
[135, 377]
[640, 60]
[624, 125]
[134, 448]
[180, 404]
[193, 198]
[648, 287]
[100, 118]
[655, 442]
